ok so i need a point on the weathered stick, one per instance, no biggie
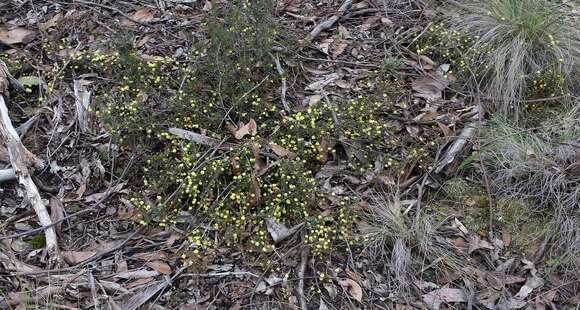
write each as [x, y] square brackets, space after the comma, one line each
[21, 158]
[283, 77]
[329, 22]
[301, 273]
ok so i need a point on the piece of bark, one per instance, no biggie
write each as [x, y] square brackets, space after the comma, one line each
[82, 102]
[466, 134]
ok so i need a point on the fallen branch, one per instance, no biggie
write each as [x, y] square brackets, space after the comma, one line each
[329, 22]
[21, 159]
[466, 134]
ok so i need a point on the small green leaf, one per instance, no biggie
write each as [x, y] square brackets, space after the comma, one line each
[37, 242]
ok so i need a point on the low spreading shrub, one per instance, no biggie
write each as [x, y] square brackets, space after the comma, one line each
[261, 160]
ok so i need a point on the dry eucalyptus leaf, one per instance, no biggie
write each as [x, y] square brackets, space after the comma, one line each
[352, 288]
[435, 298]
[429, 87]
[159, 266]
[251, 128]
[16, 35]
[77, 257]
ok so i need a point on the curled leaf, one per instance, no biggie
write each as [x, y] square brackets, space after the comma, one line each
[251, 128]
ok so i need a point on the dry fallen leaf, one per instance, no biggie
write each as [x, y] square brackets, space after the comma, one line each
[435, 298]
[352, 288]
[77, 257]
[144, 15]
[281, 151]
[251, 128]
[429, 87]
[159, 266]
[16, 35]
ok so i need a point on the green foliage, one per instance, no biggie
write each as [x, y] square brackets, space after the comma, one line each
[37, 242]
[267, 174]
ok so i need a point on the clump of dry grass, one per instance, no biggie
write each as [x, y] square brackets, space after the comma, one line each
[541, 166]
[405, 244]
[516, 45]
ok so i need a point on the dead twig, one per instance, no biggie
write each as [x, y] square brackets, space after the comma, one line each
[283, 78]
[200, 139]
[329, 22]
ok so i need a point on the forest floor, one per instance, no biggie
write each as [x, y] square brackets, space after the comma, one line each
[449, 241]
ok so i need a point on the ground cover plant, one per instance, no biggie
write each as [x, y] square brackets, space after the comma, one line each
[283, 154]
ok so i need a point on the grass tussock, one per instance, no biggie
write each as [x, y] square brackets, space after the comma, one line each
[518, 48]
[541, 166]
[407, 246]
